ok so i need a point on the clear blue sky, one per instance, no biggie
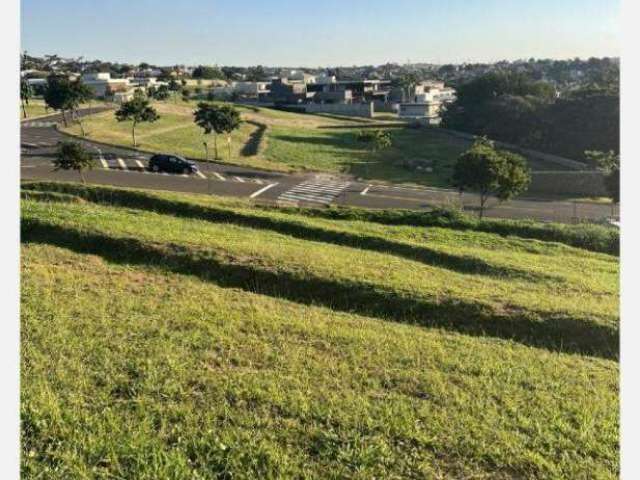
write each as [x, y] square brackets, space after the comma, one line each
[319, 33]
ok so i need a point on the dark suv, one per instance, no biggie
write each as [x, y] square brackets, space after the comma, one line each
[171, 163]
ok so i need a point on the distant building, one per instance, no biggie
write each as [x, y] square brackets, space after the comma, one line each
[337, 96]
[325, 79]
[103, 85]
[282, 91]
[433, 91]
[426, 104]
[424, 112]
[359, 90]
[297, 76]
[145, 82]
[148, 72]
[251, 89]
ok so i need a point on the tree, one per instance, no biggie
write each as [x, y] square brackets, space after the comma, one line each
[207, 72]
[79, 94]
[219, 119]
[185, 94]
[65, 95]
[56, 94]
[26, 93]
[162, 93]
[174, 87]
[136, 110]
[256, 74]
[73, 156]
[408, 84]
[609, 162]
[376, 139]
[488, 171]
[228, 121]
[206, 117]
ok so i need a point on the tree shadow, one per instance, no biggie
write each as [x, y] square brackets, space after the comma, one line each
[556, 333]
[137, 200]
[252, 146]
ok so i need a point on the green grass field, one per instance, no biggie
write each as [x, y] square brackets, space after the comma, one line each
[173, 336]
[34, 109]
[286, 141]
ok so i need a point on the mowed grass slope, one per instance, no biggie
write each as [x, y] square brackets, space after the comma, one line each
[172, 336]
[285, 141]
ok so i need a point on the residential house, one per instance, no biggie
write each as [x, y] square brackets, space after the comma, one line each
[283, 91]
[103, 85]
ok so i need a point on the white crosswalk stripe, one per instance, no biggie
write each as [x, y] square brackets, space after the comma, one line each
[200, 174]
[140, 164]
[262, 190]
[121, 163]
[37, 124]
[317, 191]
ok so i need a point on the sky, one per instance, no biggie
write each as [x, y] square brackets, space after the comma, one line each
[319, 33]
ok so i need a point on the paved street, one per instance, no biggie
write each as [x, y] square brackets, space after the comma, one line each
[128, 168]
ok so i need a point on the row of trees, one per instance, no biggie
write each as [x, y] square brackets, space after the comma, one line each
[216, 119]
[513, 108]
[213, 119]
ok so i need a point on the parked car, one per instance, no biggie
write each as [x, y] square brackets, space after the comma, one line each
[172, 164]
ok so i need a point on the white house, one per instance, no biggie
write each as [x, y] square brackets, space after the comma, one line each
[427, 112]
[102, 83]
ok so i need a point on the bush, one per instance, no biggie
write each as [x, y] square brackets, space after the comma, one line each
[596, 238]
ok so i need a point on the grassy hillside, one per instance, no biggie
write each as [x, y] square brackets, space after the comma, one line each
[286, 141]
[172, 336]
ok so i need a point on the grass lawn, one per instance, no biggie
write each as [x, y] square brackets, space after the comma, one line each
[174, 336]
[35, 109]
[286, 141]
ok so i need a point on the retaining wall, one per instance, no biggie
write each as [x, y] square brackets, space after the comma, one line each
[585, 183]
[350, 109]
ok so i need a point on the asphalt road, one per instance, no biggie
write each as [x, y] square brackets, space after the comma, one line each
[128, 168]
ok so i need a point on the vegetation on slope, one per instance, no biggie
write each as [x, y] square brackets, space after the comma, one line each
[167, 336]
[286, 141]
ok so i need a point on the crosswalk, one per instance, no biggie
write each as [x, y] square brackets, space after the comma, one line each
[37, 124]
[113, 162]
[314, 191]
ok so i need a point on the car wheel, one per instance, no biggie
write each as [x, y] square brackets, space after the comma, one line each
[155, 168]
